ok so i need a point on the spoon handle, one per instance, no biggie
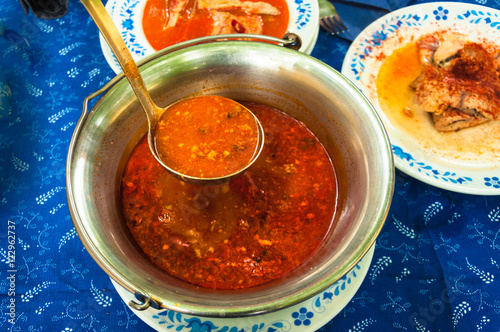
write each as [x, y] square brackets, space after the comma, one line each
[108, 29]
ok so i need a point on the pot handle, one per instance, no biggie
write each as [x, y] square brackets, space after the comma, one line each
[145, 303]
[290, 40]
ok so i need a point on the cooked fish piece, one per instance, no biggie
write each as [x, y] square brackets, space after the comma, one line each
[225, 22]
[434, 51]
[446, 52]
[427, 45]
[476, 64]
[220, 21]
[438, 91]
[465, 94]
[174, 9]
[453, 120]
[250, 7]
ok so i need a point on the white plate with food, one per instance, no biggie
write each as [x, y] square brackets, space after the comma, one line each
[432, 72]
[305, 316]
[147, 25]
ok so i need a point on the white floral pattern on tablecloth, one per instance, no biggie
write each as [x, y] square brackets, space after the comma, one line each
[436, 265]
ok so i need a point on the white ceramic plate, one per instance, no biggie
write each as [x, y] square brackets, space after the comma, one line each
[467, 172]
[127, 15]
[309, 315]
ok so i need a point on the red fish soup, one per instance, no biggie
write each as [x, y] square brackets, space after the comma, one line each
[246, 232]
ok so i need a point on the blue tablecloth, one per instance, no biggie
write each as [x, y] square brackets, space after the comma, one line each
[437, 259]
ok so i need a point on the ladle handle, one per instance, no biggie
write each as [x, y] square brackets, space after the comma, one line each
[108, 29]
[290, 40]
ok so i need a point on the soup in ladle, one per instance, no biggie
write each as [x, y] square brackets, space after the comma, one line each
[207, 137]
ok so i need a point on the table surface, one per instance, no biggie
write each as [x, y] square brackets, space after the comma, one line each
[437, 259]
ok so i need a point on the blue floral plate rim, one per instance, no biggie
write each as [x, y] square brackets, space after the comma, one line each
[424, 17]
[308, 315]
[304, 21]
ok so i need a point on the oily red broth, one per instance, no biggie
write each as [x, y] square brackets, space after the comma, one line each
[251, 230]
[195, 23]
[207, 137]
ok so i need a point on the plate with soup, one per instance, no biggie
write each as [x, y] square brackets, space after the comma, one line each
[148, 26]
[432, 72]
[309, 315]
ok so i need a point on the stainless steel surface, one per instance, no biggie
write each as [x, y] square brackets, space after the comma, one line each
[153, 113]
[330, 105]
[329, 18]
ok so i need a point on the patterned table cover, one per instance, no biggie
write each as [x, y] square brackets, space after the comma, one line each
[436, 261]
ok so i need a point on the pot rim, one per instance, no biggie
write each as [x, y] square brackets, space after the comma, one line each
[144, 298]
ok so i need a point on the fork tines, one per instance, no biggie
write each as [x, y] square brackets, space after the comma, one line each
[333, 24]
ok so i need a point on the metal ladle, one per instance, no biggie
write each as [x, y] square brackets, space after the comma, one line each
[108, 29]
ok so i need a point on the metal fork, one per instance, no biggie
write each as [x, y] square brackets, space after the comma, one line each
[329, 19]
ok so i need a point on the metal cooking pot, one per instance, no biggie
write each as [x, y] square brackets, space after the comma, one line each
[300, 85]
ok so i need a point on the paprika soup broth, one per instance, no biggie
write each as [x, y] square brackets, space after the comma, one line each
[242, 233]
[207, 137]
[166, 23]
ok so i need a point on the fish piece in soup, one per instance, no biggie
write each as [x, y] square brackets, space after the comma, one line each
[225, 22]
[250, 7]
[174, 10]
